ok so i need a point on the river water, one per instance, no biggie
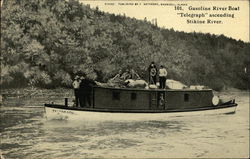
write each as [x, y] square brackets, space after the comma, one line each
[25, 134]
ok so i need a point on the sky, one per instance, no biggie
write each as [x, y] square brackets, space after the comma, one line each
[233, 21]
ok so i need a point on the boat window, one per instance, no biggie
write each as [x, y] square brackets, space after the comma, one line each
[133, 96]
[186, 97]
[116, 96]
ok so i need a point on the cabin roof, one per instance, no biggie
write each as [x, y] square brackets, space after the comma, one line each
[154, 90]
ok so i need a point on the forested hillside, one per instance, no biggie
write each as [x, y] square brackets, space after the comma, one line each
[46, 42]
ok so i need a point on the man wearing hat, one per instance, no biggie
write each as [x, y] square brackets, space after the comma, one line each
[162, 77]
[152, 69]
[76, 86]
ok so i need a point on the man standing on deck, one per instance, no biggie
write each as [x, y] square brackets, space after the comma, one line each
[152, 69]
[76, 85]
[162, 77]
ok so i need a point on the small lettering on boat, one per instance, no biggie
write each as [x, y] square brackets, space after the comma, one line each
[62, 111]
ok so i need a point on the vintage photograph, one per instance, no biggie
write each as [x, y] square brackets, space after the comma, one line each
[124, 79]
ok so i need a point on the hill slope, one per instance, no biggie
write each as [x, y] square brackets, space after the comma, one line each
[47, 42]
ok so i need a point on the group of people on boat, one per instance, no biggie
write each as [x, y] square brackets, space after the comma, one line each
[161, 73]
[153, 71]
[83, 86]
[128, 74]
[82, 90]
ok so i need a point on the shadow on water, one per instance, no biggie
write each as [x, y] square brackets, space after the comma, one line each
[112, 127]
[115, 135]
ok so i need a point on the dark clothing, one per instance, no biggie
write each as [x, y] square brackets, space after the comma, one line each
[152, 70]
[77, 97]
[85, 100]
[152, 80]
[162, 81]
[85, 90]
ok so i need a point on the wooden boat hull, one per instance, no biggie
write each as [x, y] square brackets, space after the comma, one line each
[60, 112]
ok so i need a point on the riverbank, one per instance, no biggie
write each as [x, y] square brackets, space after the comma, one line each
[36, 92]
[34, 96]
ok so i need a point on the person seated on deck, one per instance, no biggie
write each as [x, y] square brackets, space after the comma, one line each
[134, 75]
[116, 81]
[117, 77]
[126, 75]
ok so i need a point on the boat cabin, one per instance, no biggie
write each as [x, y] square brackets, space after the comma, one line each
[150, 99]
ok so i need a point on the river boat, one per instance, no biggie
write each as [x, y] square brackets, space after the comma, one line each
[109, 103]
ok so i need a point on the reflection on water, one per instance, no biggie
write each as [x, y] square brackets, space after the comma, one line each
[25, 133]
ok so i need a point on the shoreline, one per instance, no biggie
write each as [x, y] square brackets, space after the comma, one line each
[61, 89]
[35, 92]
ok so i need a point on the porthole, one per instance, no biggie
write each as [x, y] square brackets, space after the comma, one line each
[133, 96]
[186, 97]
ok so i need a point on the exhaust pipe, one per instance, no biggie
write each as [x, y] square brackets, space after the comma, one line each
[66, 102]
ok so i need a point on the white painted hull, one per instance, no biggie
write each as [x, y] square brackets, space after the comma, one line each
[82, 115]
